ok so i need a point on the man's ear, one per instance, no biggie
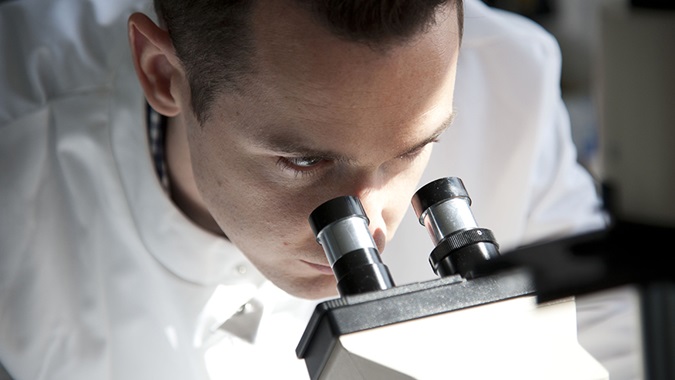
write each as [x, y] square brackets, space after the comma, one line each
[157, 66]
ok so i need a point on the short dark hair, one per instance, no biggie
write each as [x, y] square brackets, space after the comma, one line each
[213, 38]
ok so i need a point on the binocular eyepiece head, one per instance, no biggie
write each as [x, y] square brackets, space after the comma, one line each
[442, 206]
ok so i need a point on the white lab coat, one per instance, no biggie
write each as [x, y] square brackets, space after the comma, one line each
[101, 277]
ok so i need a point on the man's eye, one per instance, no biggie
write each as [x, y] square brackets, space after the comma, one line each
[300, 166]
[303, 162]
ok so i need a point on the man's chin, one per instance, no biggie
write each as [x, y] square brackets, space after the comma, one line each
[313, 289]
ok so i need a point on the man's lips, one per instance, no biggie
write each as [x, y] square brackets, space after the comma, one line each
[325, 269]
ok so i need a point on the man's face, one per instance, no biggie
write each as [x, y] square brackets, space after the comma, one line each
[321, 118]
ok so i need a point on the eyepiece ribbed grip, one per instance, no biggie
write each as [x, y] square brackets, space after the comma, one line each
[438, 191]
[334, 210]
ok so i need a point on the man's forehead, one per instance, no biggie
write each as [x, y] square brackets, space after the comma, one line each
[308, 81]
[299, 40]
[355, 82]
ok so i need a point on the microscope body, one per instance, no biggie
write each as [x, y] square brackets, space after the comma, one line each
[467, 324]
[450, 328]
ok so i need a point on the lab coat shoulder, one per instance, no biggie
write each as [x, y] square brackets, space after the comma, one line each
[524, 67]
[515, 54]
[56, 168]
[56, 49]
[512, 124]
[524, 38]
[57, 90]
[510, 142]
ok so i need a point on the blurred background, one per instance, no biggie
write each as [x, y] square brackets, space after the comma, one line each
[618, 67]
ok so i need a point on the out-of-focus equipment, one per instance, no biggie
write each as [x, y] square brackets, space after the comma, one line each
[470, 323]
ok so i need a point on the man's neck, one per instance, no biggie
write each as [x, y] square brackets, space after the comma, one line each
[184, 192]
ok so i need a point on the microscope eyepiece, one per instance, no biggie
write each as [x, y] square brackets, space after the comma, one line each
[436, 192]
[334, 210]
[341, 227]
[443, 207]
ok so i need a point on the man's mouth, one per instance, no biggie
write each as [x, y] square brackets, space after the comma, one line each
[324, 269]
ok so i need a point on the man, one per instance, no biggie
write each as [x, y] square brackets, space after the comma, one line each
[175, 244]
[301, 115]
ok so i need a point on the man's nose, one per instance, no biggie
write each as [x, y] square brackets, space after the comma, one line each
[374, 201]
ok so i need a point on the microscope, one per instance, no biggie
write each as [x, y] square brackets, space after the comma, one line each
[476, 321]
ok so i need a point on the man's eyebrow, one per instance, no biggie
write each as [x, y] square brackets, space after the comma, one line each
[439, 131]
[285, 144]
[293, 145]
